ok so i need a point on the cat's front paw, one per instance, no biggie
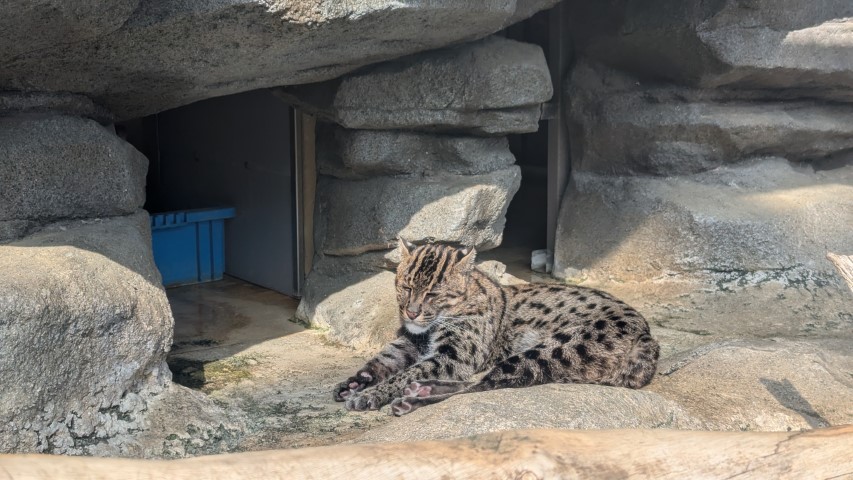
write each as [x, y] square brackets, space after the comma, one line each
[411, 399]
[366, 400]
[417, 389]
[401, 406]
[352, 385]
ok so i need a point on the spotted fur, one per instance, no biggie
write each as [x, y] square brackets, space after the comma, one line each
[456, 322]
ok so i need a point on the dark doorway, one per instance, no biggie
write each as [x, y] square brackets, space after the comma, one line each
[526, 217]
[233, 151]
[527, 227]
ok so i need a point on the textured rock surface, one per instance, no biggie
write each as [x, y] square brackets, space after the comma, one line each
[54, 167]
[141, 57]
[357, 306]
[52, 104]
[57, 22]
[545, 406]
[772, 385]
[701, 253]
[85, 327]
[358, 216]
[769, 385]
[492, 86]
[362, 153]
[179, 423]
[619, 127]
[779, 45]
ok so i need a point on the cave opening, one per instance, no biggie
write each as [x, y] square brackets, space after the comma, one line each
[543, 157]
[240, 152]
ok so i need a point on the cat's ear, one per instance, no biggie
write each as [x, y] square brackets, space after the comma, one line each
[469, 255]
[405, 247]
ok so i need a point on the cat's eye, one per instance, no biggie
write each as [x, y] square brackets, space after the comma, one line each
[431, 295]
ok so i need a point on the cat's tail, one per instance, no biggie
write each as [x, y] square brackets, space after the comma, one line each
[641, 363]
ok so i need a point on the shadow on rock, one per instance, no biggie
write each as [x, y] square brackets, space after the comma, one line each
[788, 395]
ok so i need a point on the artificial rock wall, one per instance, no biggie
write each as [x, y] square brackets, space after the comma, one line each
[84, 321]
[712, 162]
[415, 147]
[139, 57]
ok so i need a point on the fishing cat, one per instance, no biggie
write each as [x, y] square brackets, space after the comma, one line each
[458, 322]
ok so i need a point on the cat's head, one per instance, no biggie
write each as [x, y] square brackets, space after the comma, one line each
[431, 281]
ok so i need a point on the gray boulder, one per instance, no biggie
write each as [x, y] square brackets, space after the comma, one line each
[356, 307]
[783, 46]
[54, 167]
[357, 216]
[493, 86]
[545, 406]
[718, 252]
[770, 385]
[620, 126]
[85, 326]
[364, 153]
[202, 427]
[142, 57]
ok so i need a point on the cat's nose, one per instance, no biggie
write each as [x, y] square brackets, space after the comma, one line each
[412, 315]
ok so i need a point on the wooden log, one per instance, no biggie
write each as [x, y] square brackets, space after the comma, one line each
[844, 265]
[522, 454]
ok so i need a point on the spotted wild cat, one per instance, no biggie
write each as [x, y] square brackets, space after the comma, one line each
[458, 322]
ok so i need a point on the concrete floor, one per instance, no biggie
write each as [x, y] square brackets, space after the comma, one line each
[225, 317]
[239, 344]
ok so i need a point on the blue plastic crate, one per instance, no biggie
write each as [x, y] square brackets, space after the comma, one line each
[189, 245]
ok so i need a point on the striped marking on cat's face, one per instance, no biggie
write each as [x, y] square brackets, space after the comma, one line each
[430, 281]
